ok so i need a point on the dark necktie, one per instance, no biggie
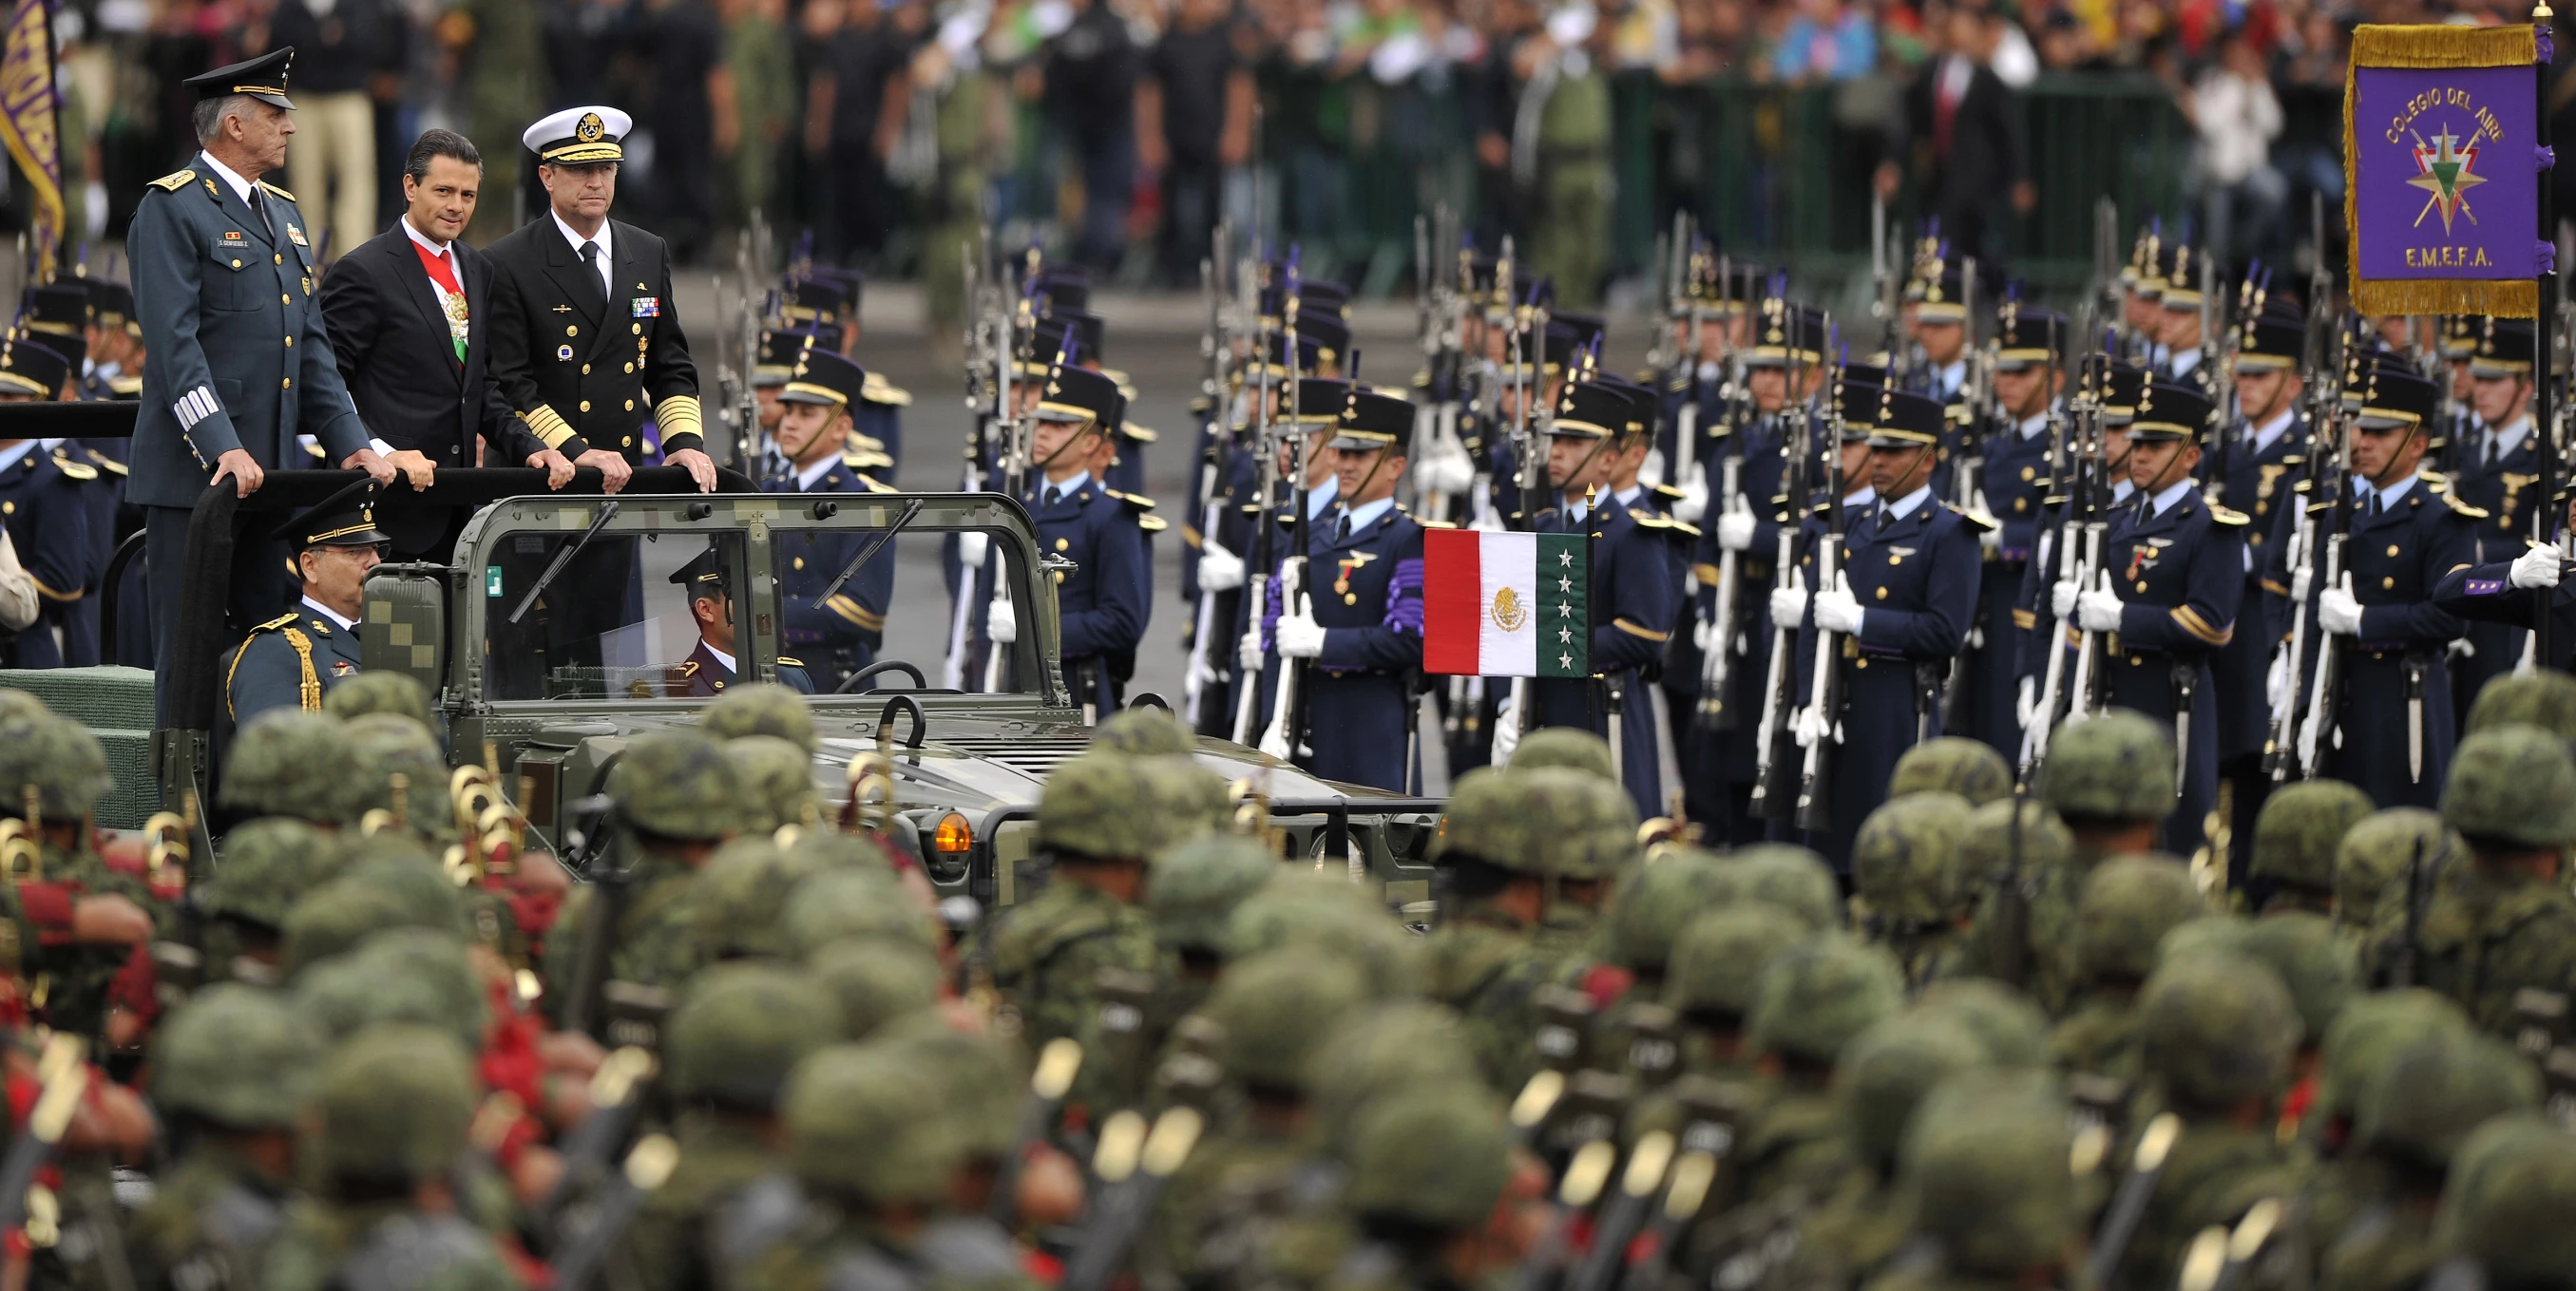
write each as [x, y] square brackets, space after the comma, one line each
[1886, 517]
[590, 270]
[259, 208]
[2494, 448]
[1342, 529]
[2375, 505]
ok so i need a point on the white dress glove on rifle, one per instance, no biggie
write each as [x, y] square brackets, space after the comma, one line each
[1838, 610]
[2537, 567]
[2098, 611]
[1219, 570]
[1693, 503]
[1735, 528]
[1507, 728]
[1001, 625]
[2061, 598]
[971, 547]
[1299, 637]
[2026, 703]
[1809, 726]
[2276, 683]
[1789, 607]
[2338, 612]
[1247, 652]
[2303, 580]
[1446, 469]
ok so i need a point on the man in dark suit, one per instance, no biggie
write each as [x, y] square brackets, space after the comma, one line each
[409, 314]
[586, 339]
[1962, 139]
[233, 379]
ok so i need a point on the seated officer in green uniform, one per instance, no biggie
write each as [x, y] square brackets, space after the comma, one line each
[712, 667]
[291, 660]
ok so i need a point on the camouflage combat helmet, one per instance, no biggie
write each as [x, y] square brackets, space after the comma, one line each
[1377, 1050]
[739, 1029]
[338, 915]
[2543, 697]
[740, 895]
[1988, 1158]
[1089, 809]
[61, 759]
[1568, 747]
[778, 779]
[1274, 1009]
[2421, 1106]
[2511, 1187]
[2128, 905]
[1969, 768]
[981, 1077]
[2216, 1030]
[1591, 823]
[1147, 732]
[395, 1104]
[830, 849]
[865, 1121]
[1815, 996]
[839, 904]
[1487, 820]
[1651, 904]
[287, 762]
[1986, 851]
[678, 784]
[1887, 1071]
[409, 975]
[2299, 829]
[1328, 917]
[761, 708]
[1791, 877]
[398, 693]
[875, 980]
[2376, 854]
[399, 864]
[390, 744]
[238, 1056]
[1717, 961]
[2371, 1030]
[18, 705]
[2514, 785]
[1191, 799]
[2317, 967]
[1194, 888]
[2011, 1027]
[1434, 1157]
[1905, 861]
[2118, 765]
[268, 864]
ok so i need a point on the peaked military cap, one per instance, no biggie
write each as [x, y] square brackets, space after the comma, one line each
[1090, 332]
[2459, 335]
[821, 376]
[1076, 394]
[2026, 338]
[818, 300]
[2178, 266]
[1064, 286]
[1595, 409]
[579, 136]
[263, 78]
[1372, 420]
[350, 524]
[2273, 341]
[2120, 399]
[56, 308]
[1786, 332]
[1856, 408]
[706, 575]
[1316, 401]
[1945, 294]
[780, 349]
[111, 305]
[1905, 420]
[28, 368]
[2395, 396]
[2167, 410]
[2504, 348]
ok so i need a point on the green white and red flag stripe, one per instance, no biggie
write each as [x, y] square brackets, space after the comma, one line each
[1505, 604]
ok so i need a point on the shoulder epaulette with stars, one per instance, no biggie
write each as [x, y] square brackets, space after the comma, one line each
[175, 181]
[1435, 524]
[75, 470]
[1981, 524]
[2232, 519]
[273, 624]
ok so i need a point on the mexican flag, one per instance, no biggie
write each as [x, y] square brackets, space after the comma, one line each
[1505, 604]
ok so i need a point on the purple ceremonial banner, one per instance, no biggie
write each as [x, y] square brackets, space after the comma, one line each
[2442, 170]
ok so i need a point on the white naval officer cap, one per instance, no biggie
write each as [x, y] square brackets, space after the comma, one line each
[578, 136]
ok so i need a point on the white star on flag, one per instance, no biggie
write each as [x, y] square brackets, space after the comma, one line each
[1565, 585]
[1565, 558]
[1565, 609]
[1565, 661]
[1564, 635]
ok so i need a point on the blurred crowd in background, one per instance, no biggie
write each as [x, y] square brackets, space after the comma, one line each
[1118, 132]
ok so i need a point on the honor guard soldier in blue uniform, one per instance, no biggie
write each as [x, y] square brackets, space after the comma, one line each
[827, 303]
[839, 634]
[2118, 402]
[293, 660]
[1361, 631]
[233, 379]
[45, 506]
[115, 342]
[2178, 333]
[2393, 727]
[2258, 476]
[1104, 602]
[716, 661]
[1904, 591]
[1597, 440]
[2013, 489]
[2499, 592]
[56, 316]
[2498, 465]
[2176, 567]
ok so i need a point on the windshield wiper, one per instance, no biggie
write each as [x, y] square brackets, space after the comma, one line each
[848, 571]
[562, 558]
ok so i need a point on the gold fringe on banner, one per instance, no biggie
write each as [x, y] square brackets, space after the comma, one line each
[2381, 45]
[2504, 298]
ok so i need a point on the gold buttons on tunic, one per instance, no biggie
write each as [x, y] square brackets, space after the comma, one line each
[630, 405]
[287, 383]
[2392, 549]
[639, 329]
[280, 259]
[1059, 576]
[571, 329]
[290, 342]
[585, 405]
[284, 299]
[237, 264]
[2142, 586]
[1062, 544]
[630, 367]
[2386, 584]
[585, 369]
[1350, 598]
[1882, 593]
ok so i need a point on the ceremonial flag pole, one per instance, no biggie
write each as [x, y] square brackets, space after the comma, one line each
[28, 121]
[2544, 354]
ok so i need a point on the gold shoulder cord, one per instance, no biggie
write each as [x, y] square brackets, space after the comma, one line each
[308, 690]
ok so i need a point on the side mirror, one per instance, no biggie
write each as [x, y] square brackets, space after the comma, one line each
[404, 624]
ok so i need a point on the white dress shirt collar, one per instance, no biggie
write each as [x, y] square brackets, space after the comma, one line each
[720, 656]
[1904, 506]
[1070, 486]
[806, 476]
[233, 181]
[1320, 498]
[1366, 513]
[2270, 432]
[2389, 497]
[2030, 427]
[2171, 493]
[607, 252]
[16, 452]
[433, 245]
[2508, 437]
[2121, 490]
[1861, 501]
[345, 625]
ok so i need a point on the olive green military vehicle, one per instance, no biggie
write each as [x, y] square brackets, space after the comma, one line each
[558, 631]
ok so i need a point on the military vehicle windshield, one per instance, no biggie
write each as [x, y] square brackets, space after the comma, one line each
[628, 616]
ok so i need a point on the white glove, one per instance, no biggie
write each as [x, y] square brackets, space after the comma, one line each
[1299, 636]
[2061, 598]
[1693, 502]
[2537, 567]
[1735, 528]
[2026, 703]
[2303, 580]
[1000, 624]
[1219, 570]
[1447, 469]
[2338, 612]
[1992, 539]
[2098, 611]
[1247, 652]
[1507, 729]
[1838, 610]
[971, 546]
[1808, 726]
[1490, 520]
[1789, 607]
[2276, 683]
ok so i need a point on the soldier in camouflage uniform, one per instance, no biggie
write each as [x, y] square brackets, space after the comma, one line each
[395, 1102]
[2111, 780]
[234, 1072]
[2544, 697]
[1428, 1170]
[2127, 907]
[1571, 747]
[1651, 904]
[75, 921]
[398, 693]
[780, 779]
[854, 904]
[2013, 1029]
[1717, 965]
[2357, 1049]
[268, 864]
[1190, 897]
[2504, 920]
[1791, 877]
[2295, 838]
[389, 745]
[292, 763]
[2505, 1211]
[1988, 1158]
[1969, 768]
[2374, 858]
[1813, 998]
[1146, 733]
[760, 708]
[1986, 851]
[1906, 875]
[2414, 1117]
[1884, 1076]
[875, 980]
[726, 1051]
[678, 798]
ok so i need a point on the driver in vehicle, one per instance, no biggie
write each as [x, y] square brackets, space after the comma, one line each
[838, 634]
[290, 661]
[712, 666]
